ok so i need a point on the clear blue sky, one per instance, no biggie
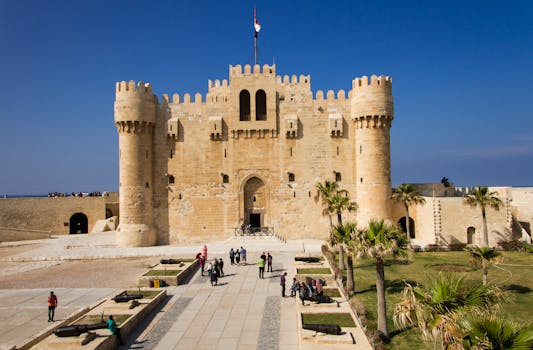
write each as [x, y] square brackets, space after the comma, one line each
[462, 74]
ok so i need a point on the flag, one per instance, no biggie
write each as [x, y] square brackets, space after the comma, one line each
[257, 26]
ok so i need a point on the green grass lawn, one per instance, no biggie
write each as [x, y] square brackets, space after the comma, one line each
[162, 273]
[314, 271]
[332, 292]
[147, 294]
[517, 279]
[342, 319]
[94, 319]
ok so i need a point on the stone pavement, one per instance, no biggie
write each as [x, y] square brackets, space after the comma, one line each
[242, 312]
[24, 313]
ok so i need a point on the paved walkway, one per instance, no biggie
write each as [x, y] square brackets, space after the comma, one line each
[242, 312]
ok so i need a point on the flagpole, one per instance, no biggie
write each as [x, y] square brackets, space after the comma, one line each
[257, 28]
[255, 47]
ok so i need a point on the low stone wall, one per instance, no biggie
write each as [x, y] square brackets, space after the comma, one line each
[185, 273]
[13, 234]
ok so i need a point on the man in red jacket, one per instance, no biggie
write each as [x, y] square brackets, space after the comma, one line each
[52, 304]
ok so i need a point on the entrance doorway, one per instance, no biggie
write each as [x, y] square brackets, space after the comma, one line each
[255, 220]
[79, 223]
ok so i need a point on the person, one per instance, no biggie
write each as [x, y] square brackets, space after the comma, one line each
[209, 269]
[237, 256]
[261, 264]
[302, 292]
[52, 304]
[263, 256]
[221, 266]
[243, 255]
[269, 262]
[204, 252]
[214, 276]
[232, 256]
[310, 290]
[282, 282]
[319, 287]
[202, 264]
[112, 326]
[294, 287]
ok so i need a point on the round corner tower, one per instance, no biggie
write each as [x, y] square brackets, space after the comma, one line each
[372, 110]
[135, 115]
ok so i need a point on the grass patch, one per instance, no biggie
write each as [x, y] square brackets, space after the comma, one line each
[332, 292]
[188, 260]
[342, 319]
[147, 294]
[94, 319]
[162, 273]
[452, 267]
[314, 271]
[514, 277]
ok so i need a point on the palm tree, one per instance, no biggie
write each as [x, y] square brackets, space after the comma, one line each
[480, 196]
[378, 241]
[407, 195]
[437, 307]
[324, 192]
[492, 331]
[344, 234]
[337, 203]
[486, 255]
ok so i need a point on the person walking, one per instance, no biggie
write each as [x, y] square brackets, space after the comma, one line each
[202, 264]
[112, 326]
[209, 269]
[232, 256]
[282, 282]
[237, 256]
[269, 262]
[221, 267]
[243, 256]
[52, 304]
[204, 252]
[261, 264]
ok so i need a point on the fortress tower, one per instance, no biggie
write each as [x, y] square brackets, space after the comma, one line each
[251, 151]
[135, 112]
[372, 110]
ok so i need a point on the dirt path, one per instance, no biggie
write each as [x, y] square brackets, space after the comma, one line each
[102, 273]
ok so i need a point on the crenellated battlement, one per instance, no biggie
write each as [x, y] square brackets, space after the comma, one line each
[130, 88]
[187, 99]
[237, 70]
[215, 85]
[330, 95]
[375, 82]
[302, 80]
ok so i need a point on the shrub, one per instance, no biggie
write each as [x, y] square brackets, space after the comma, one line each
[457, 247]
[514, 245]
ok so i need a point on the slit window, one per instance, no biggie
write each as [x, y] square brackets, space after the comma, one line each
[291, 177]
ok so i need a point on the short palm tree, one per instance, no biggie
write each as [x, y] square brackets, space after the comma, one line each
[492, 331]
[377, 242]
[324, 192]
[437, 307]
[407, 195]
[344, 234]
[486, 256]
[482, 197]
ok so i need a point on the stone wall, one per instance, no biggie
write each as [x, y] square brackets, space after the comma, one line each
[49, 214]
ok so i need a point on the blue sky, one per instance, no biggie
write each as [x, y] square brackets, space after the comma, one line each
[462, 73]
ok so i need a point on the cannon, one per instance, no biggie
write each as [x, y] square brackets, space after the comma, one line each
[77, 329]
[124, 297]
[169, 261]
[334, 329]
[307, 259]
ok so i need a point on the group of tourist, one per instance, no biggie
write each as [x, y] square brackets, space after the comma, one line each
[236, 255]
[215, 268]
[73, 194]
[307, 290]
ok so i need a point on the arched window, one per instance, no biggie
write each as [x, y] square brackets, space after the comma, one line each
[338, 176]
[260, 105]
[291, 177]
[470, 235]
[225, 178]
[403, 226]
[244, 106]
[171, 180]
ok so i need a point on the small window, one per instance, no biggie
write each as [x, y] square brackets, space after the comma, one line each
[255, 199]
[225, 178]
[179, 196]
[309, 194]
[260, 105]
[294, 194]
[171, 154]
[361, 180]
[171, 180]
[291, 177]
[290, 151]
[337, 150]
[338, 176]
[360, 149]
[225, 154]
[244, 106]
[147, 184]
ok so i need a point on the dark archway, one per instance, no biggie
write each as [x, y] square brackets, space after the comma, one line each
[260, 105]
[108, 213]
[403, 227]
[254, 202]
[244, 106]
[470, 235]
[79, 223]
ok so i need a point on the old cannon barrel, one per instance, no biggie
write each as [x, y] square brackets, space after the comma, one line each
[307, 259]
[124, 298]
[323, 328]
[77, 329]
[169, 261]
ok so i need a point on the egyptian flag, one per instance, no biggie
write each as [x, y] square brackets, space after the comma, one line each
[257, 26]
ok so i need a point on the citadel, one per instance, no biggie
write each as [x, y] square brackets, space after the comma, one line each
[250, 152]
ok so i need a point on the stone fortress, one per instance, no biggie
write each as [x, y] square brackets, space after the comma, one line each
[250, 153]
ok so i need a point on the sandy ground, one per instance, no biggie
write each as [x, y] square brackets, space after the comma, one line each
[108, 273]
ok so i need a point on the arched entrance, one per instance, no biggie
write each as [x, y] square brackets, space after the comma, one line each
[79, 223]
[403, 226]
[470, 234]
[254, 202]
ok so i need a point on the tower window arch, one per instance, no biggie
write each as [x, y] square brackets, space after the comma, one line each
[260, 105]
[244, 106]
[171, 180]
[291, 177]
[338, 176]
